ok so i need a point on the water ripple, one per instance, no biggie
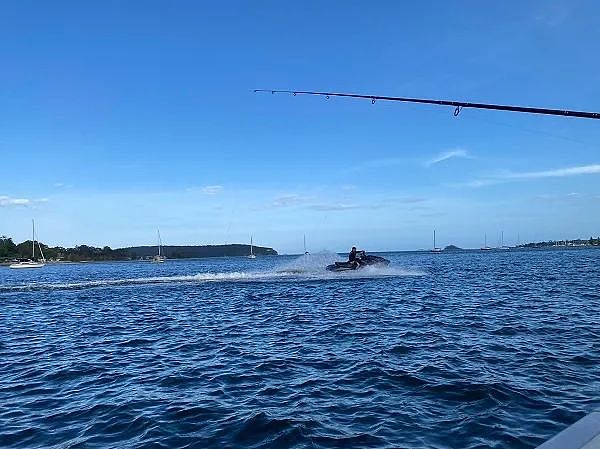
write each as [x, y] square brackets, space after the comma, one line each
[464, 350]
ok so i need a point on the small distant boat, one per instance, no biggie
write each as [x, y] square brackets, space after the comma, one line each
[159, 258]
[485, 247]
[306, 253]
[502, 247]
[31, 263]
[251, 255]
[435, 249]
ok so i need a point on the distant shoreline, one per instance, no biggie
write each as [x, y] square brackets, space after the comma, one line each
[460, 250]
[241, 251]
[144, 261]
[9, 252]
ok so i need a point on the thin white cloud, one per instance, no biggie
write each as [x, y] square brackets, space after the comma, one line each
[458, 153]
[408, 200]
[482, 182]
[418, 207]
[333, 207]
[507, 176]
[412, 199]
[288, 200]
[62, 185]
[344, 206]
[432, 214]
[375, 164]
[211, 190]
[556, 173]
[558, 197]
[7, 201]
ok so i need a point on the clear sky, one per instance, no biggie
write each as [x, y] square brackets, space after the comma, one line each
[119, 117]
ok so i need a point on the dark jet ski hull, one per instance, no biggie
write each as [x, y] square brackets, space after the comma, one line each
[366, 261]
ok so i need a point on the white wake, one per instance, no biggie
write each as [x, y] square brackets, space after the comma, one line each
[304, 268]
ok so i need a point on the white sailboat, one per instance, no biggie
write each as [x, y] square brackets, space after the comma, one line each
[251, 255]
[159, 258]
[502, 247]
[435, 249]
[31, 263]
[485, 247]
[306, 253]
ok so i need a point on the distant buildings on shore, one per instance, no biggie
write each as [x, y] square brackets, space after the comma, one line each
[563, 243]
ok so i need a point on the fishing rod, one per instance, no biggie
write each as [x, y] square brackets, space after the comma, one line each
[458, 105]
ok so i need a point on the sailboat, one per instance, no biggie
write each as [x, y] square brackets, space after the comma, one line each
[159, 258]
[502, 247]
[306, 253]
[435, 249]
[251, 255]
[31, 263]
[485, 247]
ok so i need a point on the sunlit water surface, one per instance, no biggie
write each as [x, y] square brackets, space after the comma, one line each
[451, 350]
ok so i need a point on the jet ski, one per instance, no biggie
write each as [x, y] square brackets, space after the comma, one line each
[364, 261]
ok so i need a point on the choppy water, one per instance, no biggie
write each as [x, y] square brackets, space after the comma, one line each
[465, 350]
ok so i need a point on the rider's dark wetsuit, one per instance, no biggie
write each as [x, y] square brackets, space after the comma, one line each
[352, 256]
[353, 259]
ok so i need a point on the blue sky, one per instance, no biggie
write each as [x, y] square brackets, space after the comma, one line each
[118, 117]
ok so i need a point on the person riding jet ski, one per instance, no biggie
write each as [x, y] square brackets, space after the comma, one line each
[356, 260]
[354, 257]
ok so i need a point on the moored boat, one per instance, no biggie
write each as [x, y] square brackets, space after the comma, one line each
[30, 263]
[159, 258]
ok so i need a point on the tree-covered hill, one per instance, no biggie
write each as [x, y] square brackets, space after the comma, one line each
[10, 251]
[185, 252]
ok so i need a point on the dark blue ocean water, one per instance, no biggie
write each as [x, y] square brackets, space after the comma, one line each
[463, 350]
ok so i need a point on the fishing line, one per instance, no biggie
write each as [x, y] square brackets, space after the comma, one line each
[531, 130]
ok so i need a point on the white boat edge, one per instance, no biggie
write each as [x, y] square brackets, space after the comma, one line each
[583, 434]
[22, 265]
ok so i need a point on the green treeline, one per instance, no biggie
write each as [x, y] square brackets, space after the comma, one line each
[10, 251]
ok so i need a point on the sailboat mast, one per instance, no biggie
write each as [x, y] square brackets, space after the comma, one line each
[304, 243]
[159, 242]
[251, 253]
[32, 239]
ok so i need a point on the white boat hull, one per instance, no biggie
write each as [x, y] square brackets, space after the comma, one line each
[22, 265]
